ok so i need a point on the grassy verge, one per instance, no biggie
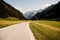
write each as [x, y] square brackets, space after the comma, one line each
[43, 33]
[10, 19]
[4, 22]
[51, 23]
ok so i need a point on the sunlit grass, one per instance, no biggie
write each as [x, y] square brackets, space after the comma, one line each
[43, 33]
[10, 18]
[5, 23]
[9, 21]
[50, 23]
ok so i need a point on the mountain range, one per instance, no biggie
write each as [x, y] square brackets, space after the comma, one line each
[32, 13]
[50, 13]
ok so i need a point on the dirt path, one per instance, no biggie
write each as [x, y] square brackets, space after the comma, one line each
[17, 32]
[50, 27]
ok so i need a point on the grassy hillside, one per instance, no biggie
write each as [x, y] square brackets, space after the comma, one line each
[9, 15]
[44, 33]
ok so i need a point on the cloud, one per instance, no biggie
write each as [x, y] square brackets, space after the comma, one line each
[17, 8]
[29, 8]
[23, 10]
[20, 9]
[45, 5]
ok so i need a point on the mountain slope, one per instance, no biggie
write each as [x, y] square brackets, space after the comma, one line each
[7, 10]
[39, 15]
[52, 12]
[32, 13]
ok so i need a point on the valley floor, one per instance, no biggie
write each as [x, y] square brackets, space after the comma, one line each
[49, 27]
[17, 32]
[45, 30]
[21, 30]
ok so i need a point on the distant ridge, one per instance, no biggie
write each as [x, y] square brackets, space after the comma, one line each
[30, 14]
[7, 10]
[50, 13]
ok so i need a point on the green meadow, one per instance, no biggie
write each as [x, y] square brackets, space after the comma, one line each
[44, 33]
[4, 22]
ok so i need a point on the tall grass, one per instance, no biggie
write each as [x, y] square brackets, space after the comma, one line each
[43, 33]
[10, 19]
[51, 23]
[4, 22]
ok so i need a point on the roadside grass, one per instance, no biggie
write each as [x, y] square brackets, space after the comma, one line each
[4, 22]
[43, 33]
[10, 19]
[51, 23]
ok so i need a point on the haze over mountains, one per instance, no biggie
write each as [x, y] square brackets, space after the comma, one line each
[7, 10]
[32, 13]
[51, 13]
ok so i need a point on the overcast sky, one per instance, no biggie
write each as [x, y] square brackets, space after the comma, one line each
[28, 5]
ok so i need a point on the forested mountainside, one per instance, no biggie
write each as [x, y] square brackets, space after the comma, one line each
[50, 13]
[7, 10]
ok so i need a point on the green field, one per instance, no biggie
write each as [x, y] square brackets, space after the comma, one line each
[40, 32]
[4, 22]
[50, 23]
[44, 33]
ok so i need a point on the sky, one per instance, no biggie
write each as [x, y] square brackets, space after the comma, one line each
[29, 5]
